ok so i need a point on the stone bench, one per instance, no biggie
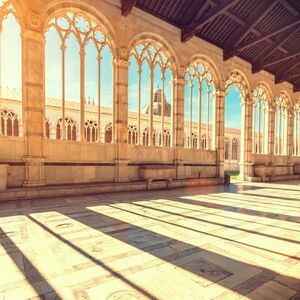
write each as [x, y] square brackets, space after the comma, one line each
[3, 177]
[157, 172]
[264, 172]
[297, 169]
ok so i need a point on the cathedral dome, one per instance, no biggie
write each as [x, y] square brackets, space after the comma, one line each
[157, 105]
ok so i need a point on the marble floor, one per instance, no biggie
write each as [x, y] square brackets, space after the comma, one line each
[241, 241]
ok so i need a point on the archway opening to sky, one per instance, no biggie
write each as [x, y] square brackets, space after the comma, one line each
[232, 138]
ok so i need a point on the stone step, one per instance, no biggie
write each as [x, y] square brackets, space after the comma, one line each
[98, 188]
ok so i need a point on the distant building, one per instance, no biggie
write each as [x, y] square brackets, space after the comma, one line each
[11, 124]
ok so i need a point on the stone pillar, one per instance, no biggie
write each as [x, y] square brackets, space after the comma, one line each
[33, 105]
[120, 134]
[3, 177]
[290, 141]
[246, 168]
[178, 125]
[220, 131]
[271, 134]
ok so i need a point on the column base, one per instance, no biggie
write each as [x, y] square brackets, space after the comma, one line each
[34, 171]
[180, 172]
[121, 166]
[34, 183]
[220, 170]
[3, 176]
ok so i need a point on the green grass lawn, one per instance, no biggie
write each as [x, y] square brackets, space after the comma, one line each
[233, 174]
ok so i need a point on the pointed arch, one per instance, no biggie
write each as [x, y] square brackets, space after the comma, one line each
[85, 36]
[55, 9]
[151, 63]
[200, 102]
[282, 107]
[240, 80]
[261, 100]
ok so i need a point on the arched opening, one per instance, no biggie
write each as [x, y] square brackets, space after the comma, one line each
[236, 95]
[150, 95]
[281, 125]
[79, 74]
[108, 133]
[199, 106]
[10, 70]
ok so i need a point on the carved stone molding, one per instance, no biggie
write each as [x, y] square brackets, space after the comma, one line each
[33, 20]
[221, 93]
[179, 80]
[121, 63]
[33, 35]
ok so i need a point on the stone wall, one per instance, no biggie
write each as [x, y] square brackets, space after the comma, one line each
[35, 160]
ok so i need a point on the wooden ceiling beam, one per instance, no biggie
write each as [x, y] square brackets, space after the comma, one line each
[269, 34]
[285, 76]
[277, 44]
[126, 6]
[289, 6]
[296, 88]
[256, 16]
[258, 67]
[191, 29]
[279, 79]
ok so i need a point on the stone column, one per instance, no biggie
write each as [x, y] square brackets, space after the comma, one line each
[120, 133]
[271, 134]
[290, 141]
[220, 131]
[33, 105]
[178, 125]
[246, 168]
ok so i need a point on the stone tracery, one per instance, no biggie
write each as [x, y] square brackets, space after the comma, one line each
[260, 119]
[76, 29]
[149, 56]
[199, 84]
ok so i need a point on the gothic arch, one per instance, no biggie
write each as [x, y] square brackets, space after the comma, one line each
[240, 80]
[268, 91]
[289, 103]
[158, 42]
[207, 61]
[101, 22]
[11, 7]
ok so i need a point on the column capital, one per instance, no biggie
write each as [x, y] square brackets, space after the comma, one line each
[221, 93]
[29, 34]
[121, 62]
[179, 80]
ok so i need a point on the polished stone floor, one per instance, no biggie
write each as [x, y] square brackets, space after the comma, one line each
[241, 241]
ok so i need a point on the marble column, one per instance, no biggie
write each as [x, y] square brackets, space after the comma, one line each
[220, 131]
[246, 168]
[290, 141]
[178, 126]
[33, 105]
[271, 134]
[120, 134]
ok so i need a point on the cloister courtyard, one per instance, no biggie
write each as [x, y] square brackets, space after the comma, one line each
[150, 149]
[216, 242]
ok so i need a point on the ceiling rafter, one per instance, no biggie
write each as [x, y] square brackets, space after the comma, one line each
[289, 6]
[296, 88]
[191, 29]
[285, 75]
[192, 16]
[276, 45]
[258, 67]
[260, 12]
[279, 79]
[126, 6]
[268, 35]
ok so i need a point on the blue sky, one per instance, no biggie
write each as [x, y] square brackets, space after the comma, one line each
[10, 46]
[10, 38]
[233, 108]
